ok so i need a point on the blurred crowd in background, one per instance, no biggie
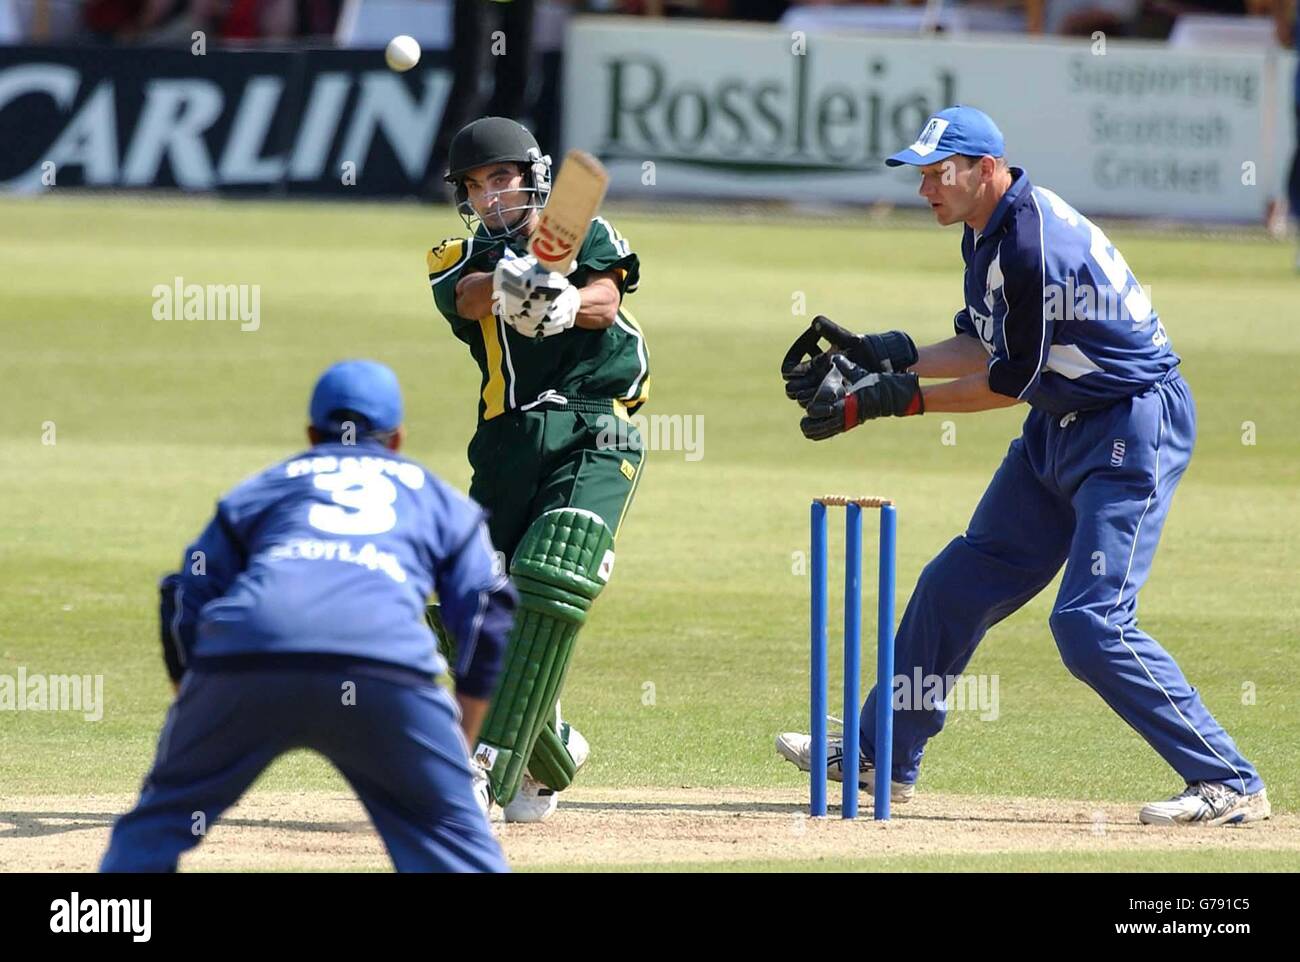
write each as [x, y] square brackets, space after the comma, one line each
[316, 21]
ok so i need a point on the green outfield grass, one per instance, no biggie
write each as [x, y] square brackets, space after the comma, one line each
[697, 654]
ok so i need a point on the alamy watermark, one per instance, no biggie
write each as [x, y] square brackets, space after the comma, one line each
[656, 432]
[209, 302]
[37, 692]
[919, 692]
[1075, 301]
[75, 915]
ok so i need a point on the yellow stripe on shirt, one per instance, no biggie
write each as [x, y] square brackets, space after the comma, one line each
[494, 391]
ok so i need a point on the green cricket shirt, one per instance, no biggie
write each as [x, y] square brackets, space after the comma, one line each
[612, 363]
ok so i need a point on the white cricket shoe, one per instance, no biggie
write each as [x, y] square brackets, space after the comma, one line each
[796, 748]
[1208, 803]
[534, 802]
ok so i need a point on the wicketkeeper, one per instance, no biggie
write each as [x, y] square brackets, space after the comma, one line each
[1053, 318]
[556, 460]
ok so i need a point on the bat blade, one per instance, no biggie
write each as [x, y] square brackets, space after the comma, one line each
[574, 201]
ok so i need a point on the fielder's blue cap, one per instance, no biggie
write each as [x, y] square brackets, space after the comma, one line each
[367, 388]
[957, 130]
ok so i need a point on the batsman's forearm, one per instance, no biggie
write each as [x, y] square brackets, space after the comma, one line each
[956, 357]
[474, 295]
[964, 395]
[600, 300]
[472, 711]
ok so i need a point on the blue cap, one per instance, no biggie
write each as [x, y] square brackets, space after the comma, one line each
[957, 130]
[366, 387]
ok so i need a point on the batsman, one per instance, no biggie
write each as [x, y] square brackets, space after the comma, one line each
[556, 460]
[1053, 319]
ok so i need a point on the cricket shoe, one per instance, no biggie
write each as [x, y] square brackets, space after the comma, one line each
[1208, 803]
[534, 802]
[796, 748]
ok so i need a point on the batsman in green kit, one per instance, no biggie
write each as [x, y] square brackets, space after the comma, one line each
[556, 460]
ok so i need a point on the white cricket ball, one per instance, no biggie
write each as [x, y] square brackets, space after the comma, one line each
[403, 53]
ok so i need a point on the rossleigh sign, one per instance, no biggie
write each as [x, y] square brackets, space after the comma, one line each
[698, 110]
[763, 124]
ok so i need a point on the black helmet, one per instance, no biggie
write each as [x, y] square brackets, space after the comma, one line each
[492, 140]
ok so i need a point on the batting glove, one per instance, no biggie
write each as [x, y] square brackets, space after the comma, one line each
[523, 291]
[561, 314]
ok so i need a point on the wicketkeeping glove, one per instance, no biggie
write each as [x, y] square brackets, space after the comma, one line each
[849, 395]
[802, 381]
[890, 353]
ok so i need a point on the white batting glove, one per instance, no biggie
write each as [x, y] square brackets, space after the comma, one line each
[523, 291]
[561, 314]
[509, 292]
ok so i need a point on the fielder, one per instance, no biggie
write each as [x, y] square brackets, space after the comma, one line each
[556, 459]
[1053, 318]
[294, 622]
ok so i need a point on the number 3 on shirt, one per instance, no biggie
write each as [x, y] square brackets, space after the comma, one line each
[363, 503]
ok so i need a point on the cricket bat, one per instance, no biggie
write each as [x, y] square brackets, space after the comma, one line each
[575, 199]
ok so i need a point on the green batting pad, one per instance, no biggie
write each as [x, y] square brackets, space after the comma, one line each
[550, 763]
[564, 560]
